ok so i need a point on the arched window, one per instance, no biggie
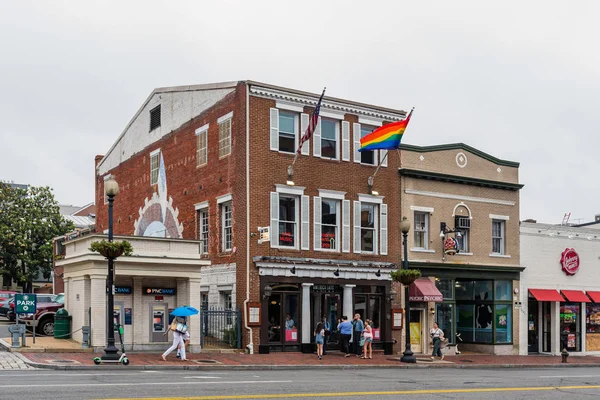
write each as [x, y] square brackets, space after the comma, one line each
[462, 224]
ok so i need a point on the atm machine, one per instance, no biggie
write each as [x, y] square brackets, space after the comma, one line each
[159, 322]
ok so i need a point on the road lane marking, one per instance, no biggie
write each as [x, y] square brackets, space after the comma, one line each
[570, 376]
[203, 377]
[62, 385]
[386, 393]
[72, 375]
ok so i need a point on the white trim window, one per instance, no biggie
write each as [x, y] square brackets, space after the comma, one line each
[203, 225]
[289, 218]
[498, 239]
[367, 157]
[225, 135]
[421, 230]
[226, 226]
[202, 146]
[154, 167]
[288, 131]
[463, 225]
[330, 138]
[365, 227]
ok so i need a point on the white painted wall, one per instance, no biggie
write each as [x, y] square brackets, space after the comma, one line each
[217, 278]
[541, 249]
[177, 108]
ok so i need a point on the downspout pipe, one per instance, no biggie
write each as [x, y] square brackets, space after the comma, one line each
[250, 345]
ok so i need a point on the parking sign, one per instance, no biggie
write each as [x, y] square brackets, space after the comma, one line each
[25, 303]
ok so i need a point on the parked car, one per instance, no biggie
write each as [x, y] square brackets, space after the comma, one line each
[44, 315]
[5, 299]
[40, 298]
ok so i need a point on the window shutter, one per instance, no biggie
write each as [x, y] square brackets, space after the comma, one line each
[383, 229]
[356, 136]
[303, 126]
[346, 226]
[317, 223]
[274, 231]
[357, 226]
[274, 129]
[305, 229]
[384, 159]
[345, 141]
[317, 140]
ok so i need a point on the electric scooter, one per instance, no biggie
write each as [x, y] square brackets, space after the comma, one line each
[123, 359]
[458, 339]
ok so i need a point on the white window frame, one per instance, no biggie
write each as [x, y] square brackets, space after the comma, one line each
[155, 155]
[375, 152]
[296, 130]
[225, 141]
[202, 133]
[465, 237]
[296, 222]
[338, 222]
[502, 236]
[337, 138]
[375, 229]
[202, 226]
[225, 227]
[424, 230]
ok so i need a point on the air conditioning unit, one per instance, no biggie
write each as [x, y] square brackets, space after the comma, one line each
[463, 222]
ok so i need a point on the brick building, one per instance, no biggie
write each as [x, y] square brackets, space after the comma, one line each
[210, 162]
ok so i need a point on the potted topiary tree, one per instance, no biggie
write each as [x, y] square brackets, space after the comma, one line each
[406, 276]
[112, 249]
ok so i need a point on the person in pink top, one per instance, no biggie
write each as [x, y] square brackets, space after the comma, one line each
[368, 335]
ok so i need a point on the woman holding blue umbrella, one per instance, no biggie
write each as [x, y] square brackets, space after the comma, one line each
[179, 329]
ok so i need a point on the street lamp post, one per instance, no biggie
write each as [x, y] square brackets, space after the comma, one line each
[408, 356]
[111, 189]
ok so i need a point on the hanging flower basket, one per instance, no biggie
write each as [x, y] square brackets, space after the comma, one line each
[406, 276]
[112, 249]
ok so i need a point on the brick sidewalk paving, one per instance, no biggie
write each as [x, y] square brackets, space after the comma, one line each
[299, 359]
[12, 361]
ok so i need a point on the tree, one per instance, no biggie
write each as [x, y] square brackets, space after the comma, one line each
[29, 220]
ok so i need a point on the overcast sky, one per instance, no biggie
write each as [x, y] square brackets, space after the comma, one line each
[515, 79]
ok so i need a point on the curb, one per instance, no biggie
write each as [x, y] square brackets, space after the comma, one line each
[258, 367]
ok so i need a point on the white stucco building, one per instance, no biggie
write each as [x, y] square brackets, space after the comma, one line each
[559, 297]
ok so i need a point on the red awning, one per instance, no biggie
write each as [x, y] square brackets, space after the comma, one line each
[424, 290]
[576, 296]
[595, 296]
[546, 295]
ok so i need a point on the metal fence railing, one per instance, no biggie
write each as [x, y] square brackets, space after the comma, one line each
[220, 328]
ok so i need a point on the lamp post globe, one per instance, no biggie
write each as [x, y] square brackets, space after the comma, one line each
[408, 356]
[111, 189]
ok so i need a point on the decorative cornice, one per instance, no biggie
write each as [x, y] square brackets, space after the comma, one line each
[459, 146]
[328, 103]
[436, 176]
[464, 266]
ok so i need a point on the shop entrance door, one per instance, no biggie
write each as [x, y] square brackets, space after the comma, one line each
[532, 327]
[330, 306]
[159, 321]
[416, 331]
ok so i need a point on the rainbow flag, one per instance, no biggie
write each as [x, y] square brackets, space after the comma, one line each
[387, 137]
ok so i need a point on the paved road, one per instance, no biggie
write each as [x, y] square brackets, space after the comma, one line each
[538, 384]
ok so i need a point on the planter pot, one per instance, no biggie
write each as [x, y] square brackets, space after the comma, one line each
[407, 281]
[111, 253]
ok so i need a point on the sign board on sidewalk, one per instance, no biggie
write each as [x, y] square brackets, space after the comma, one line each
[25, 303]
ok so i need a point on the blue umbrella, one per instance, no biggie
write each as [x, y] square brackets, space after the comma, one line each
[184, 311]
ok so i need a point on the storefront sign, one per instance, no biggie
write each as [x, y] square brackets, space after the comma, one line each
[286, 238]
[123, 290]
[324, 288]
[159, 291]
[569, 261]
[450, 246]
[263, 234]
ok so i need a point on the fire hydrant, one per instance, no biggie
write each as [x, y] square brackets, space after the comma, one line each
[564, 353]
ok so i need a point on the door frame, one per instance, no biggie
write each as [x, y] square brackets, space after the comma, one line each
[423, 323]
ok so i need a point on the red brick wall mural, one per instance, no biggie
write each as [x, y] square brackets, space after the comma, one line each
[158, 217]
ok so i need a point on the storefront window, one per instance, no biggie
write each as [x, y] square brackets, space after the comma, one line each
[570, 326]
[446, 287]
[370, 305]
[463, 290]
[503, 290]
[360, 306]
[444, 314]
[375, 311]
[465, 321]
[503, 320]
[482, 290]
[592, 319]
[283, 324]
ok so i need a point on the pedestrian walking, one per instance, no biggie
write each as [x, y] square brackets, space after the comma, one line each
[437, 335]
[345, 329]
[358, 328]
[327, 327]
[186, 341]
[178, 327]
[368, 337]
[319, 338]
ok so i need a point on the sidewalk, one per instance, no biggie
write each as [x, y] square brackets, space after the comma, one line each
[241, 361]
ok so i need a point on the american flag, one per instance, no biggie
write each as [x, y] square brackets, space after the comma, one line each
[312, 124]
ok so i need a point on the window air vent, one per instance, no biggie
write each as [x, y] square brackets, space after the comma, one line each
[462, 222]
[155, 118]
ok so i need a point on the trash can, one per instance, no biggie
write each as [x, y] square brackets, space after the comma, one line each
[62, 324]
